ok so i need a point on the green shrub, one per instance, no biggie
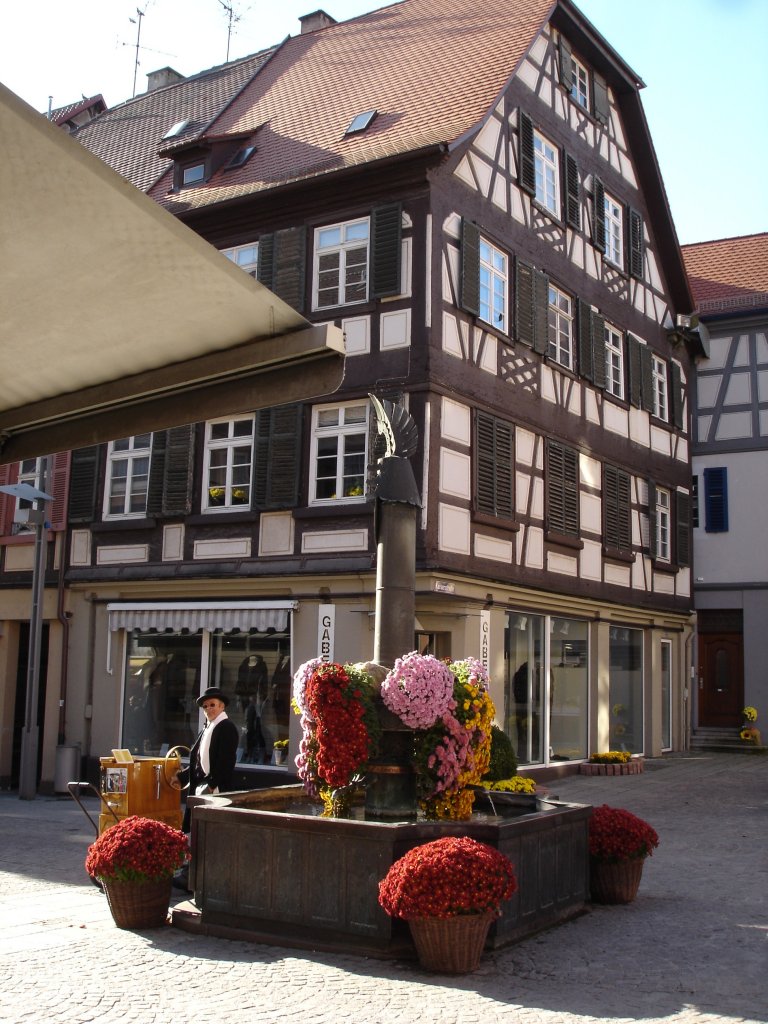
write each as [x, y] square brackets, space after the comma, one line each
[503, 764]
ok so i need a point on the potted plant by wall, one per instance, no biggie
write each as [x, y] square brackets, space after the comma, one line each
[449, 891]
[749, 731]
[281, 751]
[619, 843]
[135, 861]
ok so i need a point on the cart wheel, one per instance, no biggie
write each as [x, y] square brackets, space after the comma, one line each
[173, 754]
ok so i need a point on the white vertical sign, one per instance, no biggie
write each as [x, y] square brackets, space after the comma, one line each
[326, 629]
[485, 640]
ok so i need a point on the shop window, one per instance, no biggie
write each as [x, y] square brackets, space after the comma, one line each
[626, 689]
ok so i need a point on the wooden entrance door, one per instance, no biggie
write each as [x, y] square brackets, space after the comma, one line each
[721, 679]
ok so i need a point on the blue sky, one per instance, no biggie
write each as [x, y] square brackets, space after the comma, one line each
[703, 62]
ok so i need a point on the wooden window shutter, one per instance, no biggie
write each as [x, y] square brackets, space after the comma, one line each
[386, 247]
[277, 457]
[598, 214]
[598, 349]
[600, 105]
[676, 394]
[156, 473]
[572, 193]
[540, 312]
[716, 499]
[58, 486]
[494, 466]
[635, 371]
[652, 517]
[646, 368]
[178, 471]
[683, 528]
[527, 173]
[265, 269]
[289, 266]
[469, 285]
[524, 318]
[562, 489]
[617, 524]
[636, 250]
[586, 350]
[8, 475]
[566, 63]
[83, 477]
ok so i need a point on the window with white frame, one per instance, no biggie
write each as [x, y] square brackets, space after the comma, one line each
[560, 346]
[547, 167]
[128, 461]
[341, 263]
[663, 524]
[493, 285]
[579, 83]
[245, 256]
[228, 463]
[339, 452]
[30, 472]
[193, 175]
[614, 231]
[614, 362]
[659, 383]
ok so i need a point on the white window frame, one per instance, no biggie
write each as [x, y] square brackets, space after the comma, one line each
[663, 524]
[614, 362]
[245, 256]
[343, 423]
[349, 277]
[579, 83]
[228, 482]
[194, 174]
[493, 285]
[133, 451]
[614, 231]
[560, 327]
[547, 167]
[660, 389]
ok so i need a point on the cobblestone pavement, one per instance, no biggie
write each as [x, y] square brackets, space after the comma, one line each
[691, 949]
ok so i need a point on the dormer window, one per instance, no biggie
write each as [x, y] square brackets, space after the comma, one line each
[193, 174]
[241, 157]
[176, 129]
[360, 123]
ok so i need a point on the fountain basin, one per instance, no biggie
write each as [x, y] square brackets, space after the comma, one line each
[267, 868]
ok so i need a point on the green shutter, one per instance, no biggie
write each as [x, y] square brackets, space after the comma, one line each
[586, 352]
[156, 473]
[562, 489]
[526, 157]
[646, 367]
[598, 349]
[386, 248]
[277, 457]
[469, 285]
[676, 394]
[635, 371]
[178, 471]
[266, 261]
[600, 105]
[524, 319]
[82, 484]
[683, 528]
[598, 214]
[566, 63]
[494, 466]
[289, 268]
[540, 312]
[572, 193]
[636, 243]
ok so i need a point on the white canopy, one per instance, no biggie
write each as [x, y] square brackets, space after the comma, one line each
[116, 318]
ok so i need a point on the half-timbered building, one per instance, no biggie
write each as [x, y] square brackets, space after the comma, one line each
[471, 192]
[729, 281]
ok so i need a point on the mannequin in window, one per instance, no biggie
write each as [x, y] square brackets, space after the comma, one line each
[252, 676]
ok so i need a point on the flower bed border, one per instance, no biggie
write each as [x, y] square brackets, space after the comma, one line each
[632, 767]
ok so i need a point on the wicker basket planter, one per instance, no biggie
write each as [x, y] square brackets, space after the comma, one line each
[138, 904]
[451, 945]
[615, 883]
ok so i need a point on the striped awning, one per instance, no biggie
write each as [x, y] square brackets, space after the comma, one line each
[240, 616]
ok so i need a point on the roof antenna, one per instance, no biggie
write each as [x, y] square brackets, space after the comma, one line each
[138, 38]
[228, 7]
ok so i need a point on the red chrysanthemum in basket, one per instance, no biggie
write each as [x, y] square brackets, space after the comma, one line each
[616, 835]
[137, 849]
[449, 876]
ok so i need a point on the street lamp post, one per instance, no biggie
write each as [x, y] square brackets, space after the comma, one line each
[29, 736]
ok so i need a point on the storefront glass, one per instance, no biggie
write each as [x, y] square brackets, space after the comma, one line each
[166, 671]
[568, 689]
[626, 689]
[666, 694]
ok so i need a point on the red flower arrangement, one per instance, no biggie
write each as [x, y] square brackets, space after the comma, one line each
[137, 850]
[447, 877]
[616, 835]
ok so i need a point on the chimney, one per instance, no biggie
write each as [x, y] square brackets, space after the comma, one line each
[163, 77]
[316, 20]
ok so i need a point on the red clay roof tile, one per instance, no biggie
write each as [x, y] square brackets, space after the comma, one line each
[728, 273]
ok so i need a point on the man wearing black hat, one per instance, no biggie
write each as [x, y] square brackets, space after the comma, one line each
[212, 757]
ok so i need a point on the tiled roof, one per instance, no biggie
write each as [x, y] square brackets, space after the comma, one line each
[431, 68]
[62, 114]
[728, 273]
[128, 136]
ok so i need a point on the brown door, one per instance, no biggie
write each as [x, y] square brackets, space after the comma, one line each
[721, 679]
